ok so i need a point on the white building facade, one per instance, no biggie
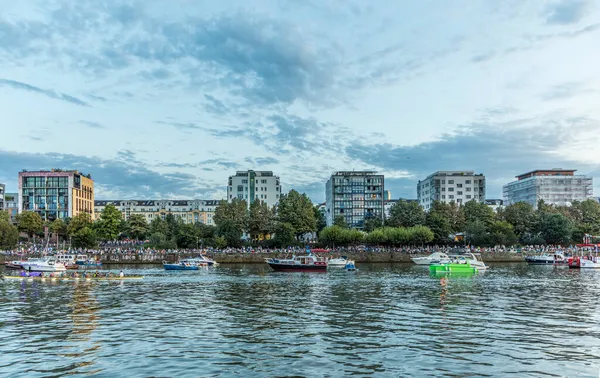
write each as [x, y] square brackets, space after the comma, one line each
[555, 186]
[451, 186]
[254, 185]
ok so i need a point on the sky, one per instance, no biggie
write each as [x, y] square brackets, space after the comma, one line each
[166, 99]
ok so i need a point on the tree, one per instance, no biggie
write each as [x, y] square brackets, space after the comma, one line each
[188, 236]
[79, 222]
[284, 235]
[159, 226]
[9, 234]
[502, 233]
[476, 233]
[137, 227]
[84, 237]
[320, 219]
[340, 221]
[108, 227]
[29, 222]
[297, 210]
[556, 228]
[173, 225]
[260, 220]
[521, 216]
[406, 214]
[333, 235]
[476, 211]
[440, 226]
[220, 242]
[420, 235]
[372, 223]
[232, 216]
[231, 232]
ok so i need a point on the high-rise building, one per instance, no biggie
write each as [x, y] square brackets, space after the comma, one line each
[189, 211]
[451, 186]
[2, 188]
[56, 194]
[387, 195]
[355, 196]
[254, 185]
[11, 204]
[555, 186]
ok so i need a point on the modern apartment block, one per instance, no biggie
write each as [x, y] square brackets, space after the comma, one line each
[11, 204]
[354, 195]
[189, 211]
[2, 188]
[555, 186]
[495, 204]
[451, 186]
[254, 185]
[56, 194]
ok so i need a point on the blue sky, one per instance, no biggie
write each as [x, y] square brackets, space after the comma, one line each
[166, 99]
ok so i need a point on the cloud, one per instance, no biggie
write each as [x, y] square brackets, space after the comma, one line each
[567, 11]
[220, 162]
[565, 90]
[215, 106]
[499, 150]
[93, 125]
[261, 161]
[46, 92]
[119, 178]
[183, 126]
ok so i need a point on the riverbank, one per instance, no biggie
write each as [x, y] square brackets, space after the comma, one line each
[259, 258]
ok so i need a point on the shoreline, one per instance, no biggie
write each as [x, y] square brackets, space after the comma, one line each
[259, 258]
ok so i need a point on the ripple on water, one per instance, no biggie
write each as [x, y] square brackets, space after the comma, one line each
[384, 320]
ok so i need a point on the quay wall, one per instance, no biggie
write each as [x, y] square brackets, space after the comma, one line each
[255, 258]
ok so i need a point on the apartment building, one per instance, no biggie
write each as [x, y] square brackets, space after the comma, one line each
[254, 185]
[189, 211]
[451, 186]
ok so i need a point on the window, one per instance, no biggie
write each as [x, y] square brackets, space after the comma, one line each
[244, 181]
[468, 196]
[467, 182]
[459, 185]
[450, 181]
[240, 188]
[240, 196]
[443, 189]
[450, 189]
[451, 196]
[468, 189]
[459, 193]
[443, 196]
[263, 181]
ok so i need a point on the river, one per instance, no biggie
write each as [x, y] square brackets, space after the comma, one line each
[387, 320]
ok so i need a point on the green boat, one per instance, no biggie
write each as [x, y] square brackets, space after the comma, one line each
[452, 268]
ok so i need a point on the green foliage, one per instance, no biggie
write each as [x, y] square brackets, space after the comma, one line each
[522, 217]
[79, 222]
[136, 227]
[231, 231]
[29, 222]
[234, 212]
[406, 214]
[159, 226]
[220, 242]
[261, 220]
[340, 221]
[475, 211]
[284, 235]
[9, 234]
[440, 226]
[389, 236]
[372, 223]
[421, 235]
[320, 219]
[84, 237]
[58, 227]
[188, 236]
[556, 228]
[297, 210]
[108, 227]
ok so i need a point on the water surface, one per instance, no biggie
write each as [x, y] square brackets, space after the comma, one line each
[244, 320]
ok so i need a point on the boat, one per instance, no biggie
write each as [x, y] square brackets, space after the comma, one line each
[350, 266]
[470, 259]
[44, 264]
[339, 262]
[83, 260]
[434, 258]
[557, 258]
[180, 265]
[203, 260]
[586, 262]
[308, 263]
[71, 278]
[68, 260]
[15, 264]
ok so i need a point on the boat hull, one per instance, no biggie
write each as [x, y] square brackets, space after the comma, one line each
[179, 267]
[13, 265]
[297, 268]
[452, 268]
[421, 261]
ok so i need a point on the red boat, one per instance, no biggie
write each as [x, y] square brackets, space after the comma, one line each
[309, 263]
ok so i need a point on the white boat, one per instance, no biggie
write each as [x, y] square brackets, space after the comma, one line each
[434, 258]
[558, 258]
[585, 262]
[470, 259]
[45, 264]
[338, 262]
[201, 261]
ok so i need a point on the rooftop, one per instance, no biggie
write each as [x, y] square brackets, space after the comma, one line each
[547, 172]
[355, 173]
[258, 173]
[157, 202]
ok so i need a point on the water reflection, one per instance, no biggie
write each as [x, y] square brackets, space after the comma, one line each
[385, 319]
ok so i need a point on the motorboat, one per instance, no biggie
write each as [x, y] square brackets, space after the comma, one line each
[45, 264]
[470, 259]
[68, 260]
[308, 263]
[557, 258]
[434, 258]
[339, 262]
[83, 260]
[586, 262]
[15, 264]
[350, 266]
[189, 264]
[203, 259]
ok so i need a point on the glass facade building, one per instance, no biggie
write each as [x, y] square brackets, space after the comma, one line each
[56, 194]
[355, 196]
